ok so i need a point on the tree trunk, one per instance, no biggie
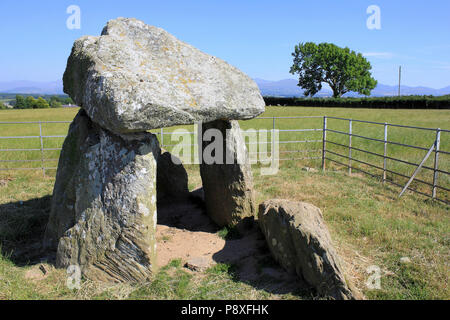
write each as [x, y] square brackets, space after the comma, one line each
[335, 87]
[336, 93]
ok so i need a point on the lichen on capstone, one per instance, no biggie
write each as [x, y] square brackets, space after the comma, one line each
[136, 77]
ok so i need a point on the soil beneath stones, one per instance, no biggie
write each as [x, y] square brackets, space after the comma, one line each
[185, 232]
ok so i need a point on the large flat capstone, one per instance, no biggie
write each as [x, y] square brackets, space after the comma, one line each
[136, 77]
[103, 214]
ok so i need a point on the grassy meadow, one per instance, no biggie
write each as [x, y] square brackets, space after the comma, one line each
[369, 224]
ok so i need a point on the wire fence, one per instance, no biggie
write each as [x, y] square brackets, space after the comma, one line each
[412, 158]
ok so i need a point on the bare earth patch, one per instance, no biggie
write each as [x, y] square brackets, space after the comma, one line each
[185, 232]
[174, 243]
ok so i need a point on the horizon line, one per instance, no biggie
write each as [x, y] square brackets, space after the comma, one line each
[253, 78]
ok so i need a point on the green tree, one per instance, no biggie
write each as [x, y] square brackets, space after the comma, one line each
[55, 102]
[68, 101]
[30, 102]
[342, 69]
[3, 106]
[41, 103]
[20, 102]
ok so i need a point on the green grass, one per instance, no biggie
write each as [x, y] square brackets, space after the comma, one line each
[421, 138]
[229, 233]
[421, 118]
[369, 226]
[368, 223]
[371, 221]
[33, 158]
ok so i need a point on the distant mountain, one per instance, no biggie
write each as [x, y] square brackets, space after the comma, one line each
[289, 88]
[33, 87]
[285, 88]
[385, 90]
[281, 88]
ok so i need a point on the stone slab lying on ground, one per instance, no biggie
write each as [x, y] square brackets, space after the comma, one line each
[199, 264]
[299, 240]
[103, 214]
[136, 77]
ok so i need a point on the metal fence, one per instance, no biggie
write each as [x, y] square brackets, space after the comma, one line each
[41, 152]
[24, 148]
[292, 141]
[385, 142]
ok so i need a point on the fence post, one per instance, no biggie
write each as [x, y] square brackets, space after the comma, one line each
[350, 147]
[436, 161]
[162, 137]
[273, 141]
[385, 151]
[42, 148]
[324, 135]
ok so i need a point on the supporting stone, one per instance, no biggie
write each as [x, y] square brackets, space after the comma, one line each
[103, 215]
[172, 178]
[228, 182]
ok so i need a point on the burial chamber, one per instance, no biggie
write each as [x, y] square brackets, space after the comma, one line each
[133, 78]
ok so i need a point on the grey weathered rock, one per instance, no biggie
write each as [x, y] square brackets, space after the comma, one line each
[136, 77]
[228, 184]
[103, 215]
[405, 260]
[198, 264]
[172, 178]
[299, 240]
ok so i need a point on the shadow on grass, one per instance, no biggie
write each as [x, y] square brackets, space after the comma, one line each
[246, 258]
[22, 227]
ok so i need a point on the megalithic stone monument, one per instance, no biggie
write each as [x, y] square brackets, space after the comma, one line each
[133, 78]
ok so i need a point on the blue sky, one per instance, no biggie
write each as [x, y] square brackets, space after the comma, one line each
[255, 36]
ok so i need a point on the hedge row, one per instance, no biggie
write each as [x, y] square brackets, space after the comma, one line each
[403, 102]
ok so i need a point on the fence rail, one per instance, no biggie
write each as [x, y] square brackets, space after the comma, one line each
[325, 148]
[40, 147]
[435, 148]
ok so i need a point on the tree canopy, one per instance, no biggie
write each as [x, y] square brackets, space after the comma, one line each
[342, 69]
[31, 102]
[20, 102]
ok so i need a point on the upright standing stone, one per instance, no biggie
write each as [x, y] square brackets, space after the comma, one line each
[172, 178]
[228, 184]
[103, 215]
